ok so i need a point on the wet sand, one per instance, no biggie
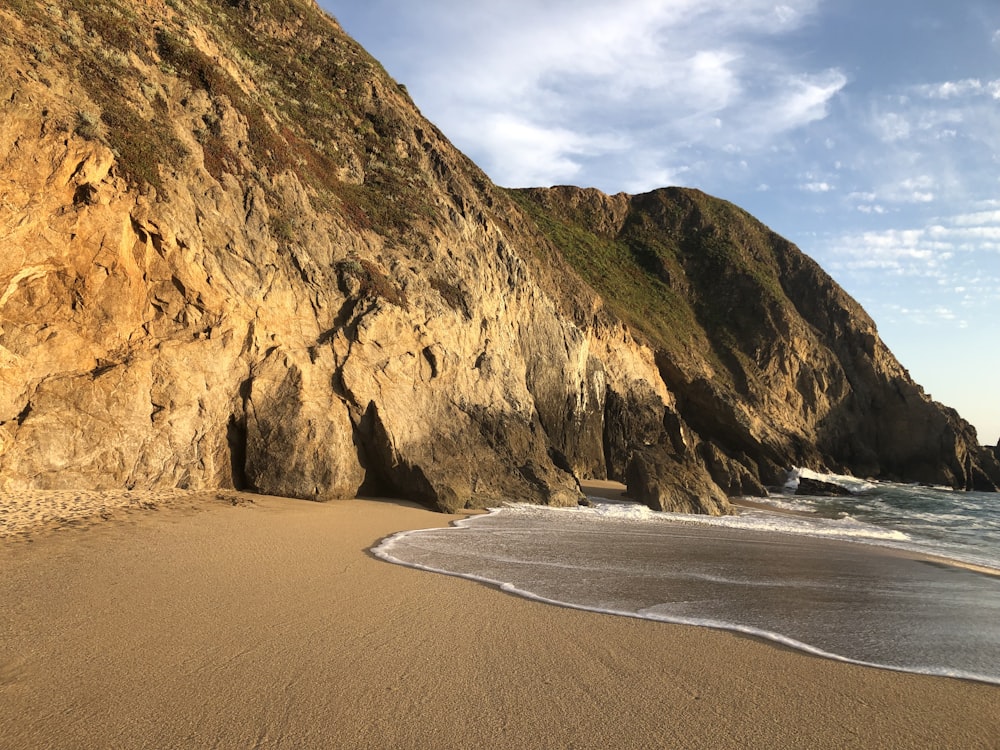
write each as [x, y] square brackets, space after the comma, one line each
[266, 623]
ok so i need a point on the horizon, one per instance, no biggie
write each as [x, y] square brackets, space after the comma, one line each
[869, 137]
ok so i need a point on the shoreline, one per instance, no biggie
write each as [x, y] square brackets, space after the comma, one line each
[795, 549]
[269, 623]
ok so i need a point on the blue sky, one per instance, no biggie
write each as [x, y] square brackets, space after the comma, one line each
[868, 133]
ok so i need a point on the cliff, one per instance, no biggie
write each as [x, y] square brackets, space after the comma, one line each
[768, 358]
[235, 254]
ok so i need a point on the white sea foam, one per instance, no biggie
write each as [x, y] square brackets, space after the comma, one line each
[847, 527]
[785, 503]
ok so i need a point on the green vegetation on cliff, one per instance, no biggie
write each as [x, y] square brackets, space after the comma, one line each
[636, 294]
[307, 97]
[694, 274]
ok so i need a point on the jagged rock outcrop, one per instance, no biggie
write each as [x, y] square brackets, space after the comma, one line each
[819, 488]
[236, 255]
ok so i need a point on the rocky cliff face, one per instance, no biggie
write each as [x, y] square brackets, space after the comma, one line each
[236, 255]
[770, 362]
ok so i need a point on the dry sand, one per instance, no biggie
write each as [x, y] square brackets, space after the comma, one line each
[268, 625]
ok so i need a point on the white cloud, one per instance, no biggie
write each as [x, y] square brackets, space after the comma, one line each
[789, 16]
[944, 313]
[913, 190]
[934, 145]
[977, 218]
[892, 126]
[944, 265]
[536, 154]
[960, 89]
[974, 233]
[899, 252]
[655, 177]
[805, 98]
[920, 182]
[817, 187]
[675, 75]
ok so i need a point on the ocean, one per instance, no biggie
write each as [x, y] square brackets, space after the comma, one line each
[895, 576]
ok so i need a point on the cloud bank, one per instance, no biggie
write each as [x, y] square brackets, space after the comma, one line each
[634, 91]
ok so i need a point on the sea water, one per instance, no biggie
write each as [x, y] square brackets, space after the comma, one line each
[868, 579]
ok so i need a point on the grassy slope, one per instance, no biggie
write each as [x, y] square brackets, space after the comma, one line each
[612, 267]
[694, 275]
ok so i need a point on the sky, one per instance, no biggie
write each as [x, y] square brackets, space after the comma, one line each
[866, 132]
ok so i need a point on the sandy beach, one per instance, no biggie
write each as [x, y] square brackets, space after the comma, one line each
[238, 621]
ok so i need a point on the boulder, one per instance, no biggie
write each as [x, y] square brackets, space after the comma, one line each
[664, 483]
[820, 488]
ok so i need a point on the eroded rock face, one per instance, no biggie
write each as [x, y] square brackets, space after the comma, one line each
[208, 283]
[767, 361]
[227, 320]
[296, 442]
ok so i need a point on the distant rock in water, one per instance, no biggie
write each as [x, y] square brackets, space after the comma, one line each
[236, 255]
[819, 488]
